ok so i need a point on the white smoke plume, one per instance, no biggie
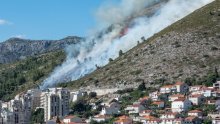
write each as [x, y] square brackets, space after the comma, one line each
[128, 25]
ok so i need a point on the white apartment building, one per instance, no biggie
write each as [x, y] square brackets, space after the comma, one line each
[113, 108]
[55, 102]
[74, 96]
[180, 105]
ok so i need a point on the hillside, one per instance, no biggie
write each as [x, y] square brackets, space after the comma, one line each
[17, 49]
[22, 75]
[187, 49]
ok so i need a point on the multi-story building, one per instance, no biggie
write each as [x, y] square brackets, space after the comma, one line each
[180, 105]
[55, 102]
[74, 96]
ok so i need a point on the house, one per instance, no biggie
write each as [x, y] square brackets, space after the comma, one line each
[181, 87]
[152, 121]
[195, 88]
[169, 115]
[216, 120]
[123, 120]
[216, 93]
[113, 108]
[180, 105]
[193, 120]
[144, 100]
[159, 104]
[154, 95]
[211, 102]
[196, 99]
[101, 118]
[166, 89]
[217, 104]
[172, 121]
[74, 96]
[73, 119]
[216, 85]
[178, 87]
[135, 108]
[175, 96]
[145, 119]
[145, 113]
[196, 113]
[207, 91]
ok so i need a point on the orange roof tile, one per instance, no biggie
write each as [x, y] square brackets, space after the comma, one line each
[179, 83]
[69, 117]
[180, 99]
[195, 111]
[177, 95]
[195, 95]
[190, 118]
[158, 102]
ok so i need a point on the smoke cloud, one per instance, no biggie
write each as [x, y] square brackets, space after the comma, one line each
[125, 24]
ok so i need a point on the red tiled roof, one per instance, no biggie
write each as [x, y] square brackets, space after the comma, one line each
[179, 83]
[195, 111]
[158, 102]
[177, 95]
[195, 95]
[167, 86]
[69, 117]
[180, 99]
[190, 118]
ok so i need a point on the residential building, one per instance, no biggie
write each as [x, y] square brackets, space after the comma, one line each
[73, 120]
[217, 104]
[113, 108]
[206, 91]
[146, 119]
[197, 99]
[55, 102]
[180, 105]
[154, 96]
[169, 115]
[74, 96]
[178, 87]
[216, 85]
[7, 117]
[101, 118]
[193, 120]
[145, 113]
[195, 88]
[216, 120]
[135, 108]
[181, 87]
[196, 113]
[166, 89]
[159, 104]
[123, 120]
[175, 96]
[34, 95]
[172, 121]
[144, 100]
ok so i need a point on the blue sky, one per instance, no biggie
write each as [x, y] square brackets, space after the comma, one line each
[46, 19]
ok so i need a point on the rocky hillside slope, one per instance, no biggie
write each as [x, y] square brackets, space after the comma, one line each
[188, 48]
[17, 49]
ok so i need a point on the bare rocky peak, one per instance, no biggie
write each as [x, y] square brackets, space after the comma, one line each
[15, 48]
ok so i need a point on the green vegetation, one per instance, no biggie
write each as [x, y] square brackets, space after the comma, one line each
[207, 80]
[20, 76]
[37, 116]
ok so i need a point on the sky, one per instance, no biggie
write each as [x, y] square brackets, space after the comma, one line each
[46, 19]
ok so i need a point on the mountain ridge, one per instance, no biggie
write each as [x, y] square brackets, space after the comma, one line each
[15, 49]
